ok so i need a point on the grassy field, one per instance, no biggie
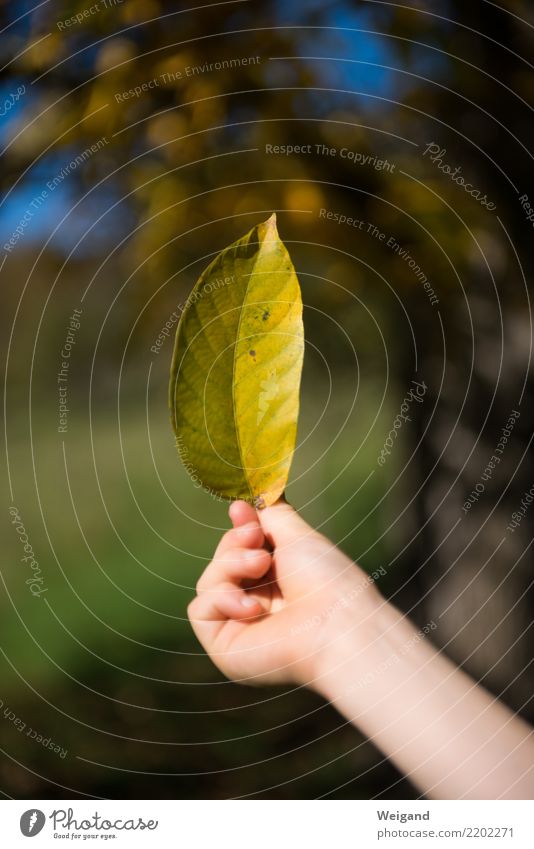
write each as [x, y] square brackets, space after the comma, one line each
[121, 535]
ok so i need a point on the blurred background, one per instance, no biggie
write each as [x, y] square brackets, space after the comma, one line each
[137, 141]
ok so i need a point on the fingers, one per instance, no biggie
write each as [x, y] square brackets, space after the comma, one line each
[223, 601]
[240, 556]
[246, 533]
[235, 565]
[303, 558]
[242, 513]
[282, 524]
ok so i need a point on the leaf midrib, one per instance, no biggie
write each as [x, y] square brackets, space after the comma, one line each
[234, 405]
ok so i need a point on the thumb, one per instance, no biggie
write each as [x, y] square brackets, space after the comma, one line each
[282, 525]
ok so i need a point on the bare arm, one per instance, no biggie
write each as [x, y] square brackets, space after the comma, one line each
[279, 603]
[442, 730]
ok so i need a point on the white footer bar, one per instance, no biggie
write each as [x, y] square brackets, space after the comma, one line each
[269, 824]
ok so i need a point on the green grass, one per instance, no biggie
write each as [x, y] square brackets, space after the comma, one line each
[120, 555]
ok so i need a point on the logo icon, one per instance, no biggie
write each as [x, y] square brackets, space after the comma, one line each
[31, 822]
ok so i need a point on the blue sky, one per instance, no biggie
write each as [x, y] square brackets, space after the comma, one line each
[345, 32]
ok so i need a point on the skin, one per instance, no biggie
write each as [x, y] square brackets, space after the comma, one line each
[280, 604]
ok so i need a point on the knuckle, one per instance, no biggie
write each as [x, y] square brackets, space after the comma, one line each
[201, 583]
[246, 532]
[192, 608]
[230, 558]
[258, 563]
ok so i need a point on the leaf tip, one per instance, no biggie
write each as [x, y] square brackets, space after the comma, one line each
[270, 231]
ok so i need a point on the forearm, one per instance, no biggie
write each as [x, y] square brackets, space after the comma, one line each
[441, 729]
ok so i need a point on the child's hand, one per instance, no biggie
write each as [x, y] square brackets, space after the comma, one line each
[267, 617]
[305, 614]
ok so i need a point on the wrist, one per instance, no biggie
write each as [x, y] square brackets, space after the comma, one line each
[361, 643]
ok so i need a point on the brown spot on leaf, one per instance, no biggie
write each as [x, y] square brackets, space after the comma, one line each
[252, 353]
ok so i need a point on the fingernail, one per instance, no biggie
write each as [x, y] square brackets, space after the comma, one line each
[248, 601]
[250, 553]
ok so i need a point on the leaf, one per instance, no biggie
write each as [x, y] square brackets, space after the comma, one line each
[235, 376]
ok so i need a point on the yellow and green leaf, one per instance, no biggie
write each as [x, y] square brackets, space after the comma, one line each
[235, 376]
